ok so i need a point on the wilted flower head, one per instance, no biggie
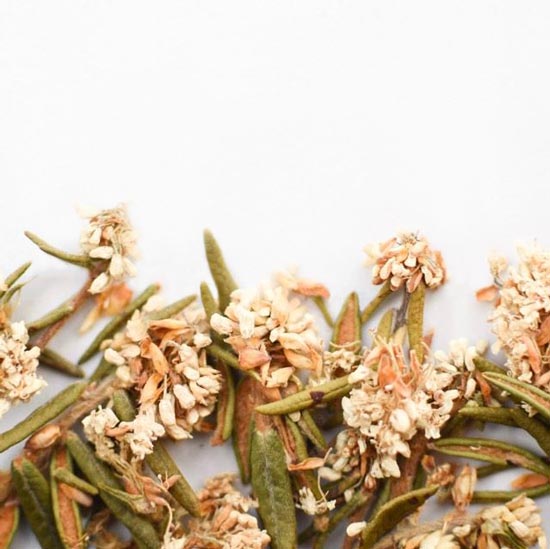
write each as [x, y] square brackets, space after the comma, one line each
[406, 259]
[109, 236]
[272, 332]
[521, 319]
[133, 440]
[165, 363]
[514, 524]
[397, 399]
[225, 522]
[312, 505]
[18, 377]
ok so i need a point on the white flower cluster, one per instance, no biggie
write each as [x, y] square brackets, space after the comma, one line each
[406, 259]
[311, 505]
[165, 363]
[272, 332]
[521, 319]
[109, 236]
[18, 377]
[226, 522]
[113, 437]
[397, 399]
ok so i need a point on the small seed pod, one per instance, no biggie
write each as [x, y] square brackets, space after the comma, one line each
[44, 438]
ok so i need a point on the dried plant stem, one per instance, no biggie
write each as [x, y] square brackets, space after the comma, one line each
[75, 303]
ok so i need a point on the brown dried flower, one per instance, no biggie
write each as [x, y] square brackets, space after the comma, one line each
[272, 332]
[165, 362]
[406, 259]
[109, 236]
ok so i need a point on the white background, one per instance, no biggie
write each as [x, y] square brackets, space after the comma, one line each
[297, 131]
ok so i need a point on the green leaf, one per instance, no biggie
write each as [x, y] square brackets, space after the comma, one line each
[307, 398]
[491, 451]
[415, 321]
[392, 513]
[34, 495]
[42, 415]
[219, 270]
[522, 392]
[76, 259]
[272, 488]
[384, 292]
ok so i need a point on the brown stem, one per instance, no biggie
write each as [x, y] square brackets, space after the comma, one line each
[409, 467]
[77, 302]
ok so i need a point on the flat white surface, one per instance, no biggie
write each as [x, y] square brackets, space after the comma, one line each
[297, 131]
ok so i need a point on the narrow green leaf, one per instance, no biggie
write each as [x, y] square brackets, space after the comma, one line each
[385, 326]
[536, 428]
[484, 365]
[415, 321]
[42, 415]
[66, 476]
[307, 398]
[34, 495]
[384, 292]
[50, 318]
[102, 370]
[13, 277]
[392, 513]
[51, 358]
[491, 451]
[521, 391]
[218, 269]
[312, 431]
[173, 309]
[98, 473]
[272, 487]
[208, 300]
[118, 322]
[502, 416]
[76, 259]
[496, 496]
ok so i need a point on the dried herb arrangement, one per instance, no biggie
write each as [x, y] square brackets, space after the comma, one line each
[356, 434]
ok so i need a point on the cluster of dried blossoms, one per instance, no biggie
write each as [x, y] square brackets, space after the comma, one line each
[19, 379]
[406, 259]
[397, 398]
[225, 521]
[109, 236]
[516, 523]
[521, 319]
[164, 362]
[252, 366]
[272, 332]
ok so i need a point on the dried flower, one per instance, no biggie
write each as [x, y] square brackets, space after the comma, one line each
[521, 319]
[396, 400]
[312, 505]
[109, 236]
[514, 524]
[272, 332]
[226, 522]
[406, 259]
[165, 363]
[19, 381]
